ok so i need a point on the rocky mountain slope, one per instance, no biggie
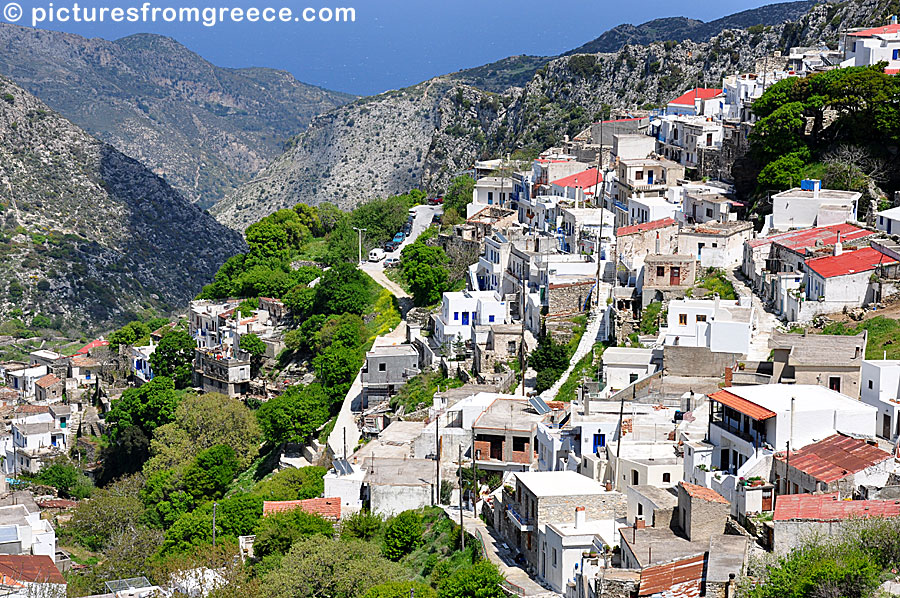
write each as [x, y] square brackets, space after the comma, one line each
[89, 236]
[682, 28]
[204, 128]
[421, 136]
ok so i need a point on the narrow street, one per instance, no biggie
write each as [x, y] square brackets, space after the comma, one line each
[766, 321]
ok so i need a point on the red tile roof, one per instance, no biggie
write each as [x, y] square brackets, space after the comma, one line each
[851, 262]
[85, 362]
[30, 568]
[659, 578]
[92, 345]
[703, 493]
[57, 503]
[806, 238]
[585, 178]
[640, 228]
[329, 508]
[884, 30]
[742, 405]
[835, 457]
[47, 381]
[702, 93]
[827, 507]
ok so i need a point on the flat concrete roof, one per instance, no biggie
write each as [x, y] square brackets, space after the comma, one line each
[658, 545]
[627, 356]
[508, 414]
[663, 498]
[809, 397]
[727, 554]
[560, 483]
[399, 472]
[393, 351]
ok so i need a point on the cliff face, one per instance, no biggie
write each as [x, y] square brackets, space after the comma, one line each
[87, 233]
[423, 135]
[205, 129]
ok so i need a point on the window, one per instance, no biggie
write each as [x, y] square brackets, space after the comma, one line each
[660, 270]
[635, 477]
[554, 557]
[667, 478]
[490, 197]
[511, 346]
[834, 383]
[490, 319]
[682, 319]
[455, 316]
[382, 367]
[701, 317]
[640, 510]
[870, 385]
[599, 441]
[709, 212]
[520, 444]
[896, 55]
[709, 139]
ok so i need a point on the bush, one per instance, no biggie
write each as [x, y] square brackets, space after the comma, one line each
[276, 533]
[361, 525]
[402, 535]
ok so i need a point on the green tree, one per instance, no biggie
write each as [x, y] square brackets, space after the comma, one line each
[783, 173]
[112, 510]
[402, 535]
[425, 270]
[173, 357]
[328, 567]
[276, 533]
[481, 580]
[294, 415]
[127, 449]
[146, 407]
[211, 473]
[459, 194]
[292, 484]
[780, 132]
[68, 479]
[337, 365]
[342, 289]
[252, 344]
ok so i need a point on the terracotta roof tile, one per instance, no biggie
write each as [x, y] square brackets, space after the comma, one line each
[702, 93]
[47, 381]
[851, 262]
[659, 578]
[329, 508]
[640, 228]
[707, 494]
[835, 457]
[883, 30]
[586, 178]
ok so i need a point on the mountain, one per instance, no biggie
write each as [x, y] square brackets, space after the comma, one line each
[205, 129]
[682, 28]
[88, 235]
[422, 135]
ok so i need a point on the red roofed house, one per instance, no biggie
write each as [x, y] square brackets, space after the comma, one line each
[48, 389]
[839, 464]
[871, 46]
[844, 279]
[693, 102]
[585, 181]
[327, 508]
[25, 575]
[95, 344]
[798, 516]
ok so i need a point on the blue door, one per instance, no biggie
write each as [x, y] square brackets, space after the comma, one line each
[599, 442]
[465, 318]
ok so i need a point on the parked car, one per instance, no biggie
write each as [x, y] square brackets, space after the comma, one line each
[392, 262]
[412, 211]
[407, 228]
[376, 255]
[399, 237]
[390, 247]
[434, 201]
[436, 219]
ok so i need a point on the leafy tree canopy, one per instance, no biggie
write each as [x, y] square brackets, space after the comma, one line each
[173, 357]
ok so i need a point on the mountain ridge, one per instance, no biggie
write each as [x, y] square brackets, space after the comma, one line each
[204, 128]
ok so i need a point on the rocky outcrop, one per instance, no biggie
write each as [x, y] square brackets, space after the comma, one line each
[88, 235]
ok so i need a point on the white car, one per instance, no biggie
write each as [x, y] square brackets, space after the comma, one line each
[376, 255]
[392, 262]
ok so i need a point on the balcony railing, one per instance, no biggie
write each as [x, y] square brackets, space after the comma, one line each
[522, 522]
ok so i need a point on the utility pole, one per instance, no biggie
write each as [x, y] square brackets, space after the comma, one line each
[521, 344]
[462, 529]
[437, 459]
[360, 231]
[215, 504]
[475, 492]
[619, 440]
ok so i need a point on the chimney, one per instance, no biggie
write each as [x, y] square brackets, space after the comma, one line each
[729, 373]
[640, 524]
[838, 246]
[657, 242]
[893, 19]
[579, 517]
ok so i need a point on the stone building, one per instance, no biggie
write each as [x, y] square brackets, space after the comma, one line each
[667, 277]
[502, 344]
[48, 389]
[386, 370]
[217, 371]
[504, 435]
[825, 360]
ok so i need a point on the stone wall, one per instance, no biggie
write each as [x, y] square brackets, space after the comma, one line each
[568, 298]
[696, 361]
[702, 519]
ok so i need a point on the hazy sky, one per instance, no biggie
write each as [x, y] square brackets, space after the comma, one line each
[395, 43]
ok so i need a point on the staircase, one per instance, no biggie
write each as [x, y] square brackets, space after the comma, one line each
[595, 321]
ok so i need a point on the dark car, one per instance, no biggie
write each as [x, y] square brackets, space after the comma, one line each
[436, 219]
[390, 246]
[407, 228]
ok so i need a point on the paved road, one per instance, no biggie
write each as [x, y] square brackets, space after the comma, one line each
[422, 221]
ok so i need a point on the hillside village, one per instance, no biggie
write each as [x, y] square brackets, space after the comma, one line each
[612, 373]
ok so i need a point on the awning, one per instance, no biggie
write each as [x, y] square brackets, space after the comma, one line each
[742, 405]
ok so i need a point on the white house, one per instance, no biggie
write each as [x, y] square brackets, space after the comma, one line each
[719, 325]
[140, 362]
[643, 208]
[888, 221]
[715, 244]
[706, 207]
[23, 380]
[490, 191]
[880, 388]
[843, 279]
[697, 101]
[632, 146]
[578, 187]
[871, 46]
[37, 437]
[567, 542]
[84, 369]
[623, 366]
[810, 205]
[462, 310]
[584, 227]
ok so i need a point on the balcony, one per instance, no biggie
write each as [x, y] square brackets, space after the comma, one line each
[522, 523]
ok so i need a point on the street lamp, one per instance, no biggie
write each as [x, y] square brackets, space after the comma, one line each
[360, 231]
